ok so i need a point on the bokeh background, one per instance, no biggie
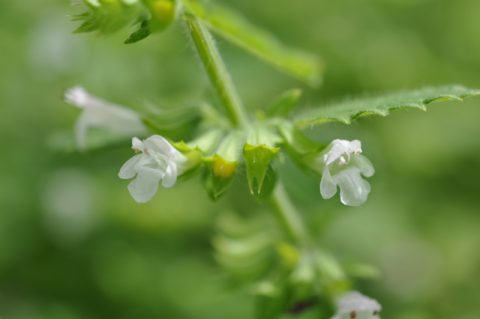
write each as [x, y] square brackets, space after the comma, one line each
[73, 244]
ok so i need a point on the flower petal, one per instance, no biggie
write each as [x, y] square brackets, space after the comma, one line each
[328, 188]
[145, 185]
[170, 177]
[353, 189]
[137, 144]
[364, 165]
[77, 96]
[128, 170]
[159, 144]
[339, 148]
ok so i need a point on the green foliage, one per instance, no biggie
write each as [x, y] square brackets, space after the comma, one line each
[264, 45]
[109, 16]
[245, 247]
[174, 123]
[286, 278]
[349, 110]
[284, 104]
[142, 32]
[302, 149]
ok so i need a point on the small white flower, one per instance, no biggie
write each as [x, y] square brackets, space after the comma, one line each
[354, 305]
[98, 113]
[343, 166]
[158, 161]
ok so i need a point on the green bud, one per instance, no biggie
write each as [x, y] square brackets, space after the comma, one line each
[162, 13]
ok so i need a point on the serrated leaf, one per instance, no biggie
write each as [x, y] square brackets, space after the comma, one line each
[260, 43]
[284, 104]
[260, 175]
[349, 110]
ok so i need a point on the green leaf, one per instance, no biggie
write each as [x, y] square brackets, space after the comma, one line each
[174, 123]
[90, 23]
[260, 175]
[284, 104]
[140, 34]
[349, 110]
[107, 16]
[260, 43]
[301, 148]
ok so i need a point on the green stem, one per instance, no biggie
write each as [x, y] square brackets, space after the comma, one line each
[217, 72]
[289, 217]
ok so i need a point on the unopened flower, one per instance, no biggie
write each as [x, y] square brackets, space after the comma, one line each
[157, 161]
[344, 166]
[354, 305]
[98, 113]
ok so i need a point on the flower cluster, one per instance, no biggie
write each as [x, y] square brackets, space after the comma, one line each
[342, 164]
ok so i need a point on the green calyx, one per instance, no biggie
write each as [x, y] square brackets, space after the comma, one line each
[218, 175]
[261, 177]
[221, 167]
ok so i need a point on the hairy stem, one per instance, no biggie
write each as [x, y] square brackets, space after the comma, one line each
[217, 72]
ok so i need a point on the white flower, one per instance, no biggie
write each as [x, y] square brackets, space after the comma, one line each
[158, 161]
[98, 113]
[354, 305]
[343, 166]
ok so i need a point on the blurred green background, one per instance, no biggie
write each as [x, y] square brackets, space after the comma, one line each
[73, 244]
